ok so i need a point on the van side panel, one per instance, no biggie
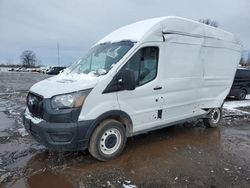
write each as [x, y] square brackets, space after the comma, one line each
[182, 75]
[220, 59]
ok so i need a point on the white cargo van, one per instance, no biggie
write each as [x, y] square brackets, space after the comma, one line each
[144, 76]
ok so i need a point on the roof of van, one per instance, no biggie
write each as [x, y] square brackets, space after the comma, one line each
[138, 31]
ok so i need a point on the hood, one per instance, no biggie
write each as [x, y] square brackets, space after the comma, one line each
[65, 83]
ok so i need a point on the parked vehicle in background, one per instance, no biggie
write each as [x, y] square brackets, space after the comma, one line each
[33, 69]
[144, 76]
[18, 69]
[241, 84]
[54, 70]
[22, 69]
[43, 69]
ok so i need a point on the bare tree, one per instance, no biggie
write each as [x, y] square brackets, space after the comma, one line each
[209, 22]
[28, 58]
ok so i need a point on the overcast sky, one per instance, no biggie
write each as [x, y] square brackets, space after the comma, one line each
[37, 25]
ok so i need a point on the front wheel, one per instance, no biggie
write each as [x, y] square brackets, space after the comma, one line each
[214, 117]
[108, 140]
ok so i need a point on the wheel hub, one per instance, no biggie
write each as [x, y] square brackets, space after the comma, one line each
[110, 141]
[215, 115]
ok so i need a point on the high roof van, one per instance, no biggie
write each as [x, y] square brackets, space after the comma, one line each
[144, 76]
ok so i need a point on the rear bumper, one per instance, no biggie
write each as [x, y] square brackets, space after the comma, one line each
[59, 136]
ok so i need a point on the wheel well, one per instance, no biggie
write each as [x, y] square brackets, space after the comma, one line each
[209, 110]
[244, 89]
[120, 116]
[124, 121]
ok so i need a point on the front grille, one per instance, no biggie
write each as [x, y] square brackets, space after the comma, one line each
[35, 105]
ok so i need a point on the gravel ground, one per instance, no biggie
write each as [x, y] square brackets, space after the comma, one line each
[186, 155]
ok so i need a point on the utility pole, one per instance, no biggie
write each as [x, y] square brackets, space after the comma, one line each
[58, 55]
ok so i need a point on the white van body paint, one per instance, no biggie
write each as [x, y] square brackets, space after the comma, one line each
[196, 68]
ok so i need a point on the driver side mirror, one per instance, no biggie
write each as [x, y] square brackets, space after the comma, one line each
[126, 80]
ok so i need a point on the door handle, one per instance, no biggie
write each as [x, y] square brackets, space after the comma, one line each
[158, 88]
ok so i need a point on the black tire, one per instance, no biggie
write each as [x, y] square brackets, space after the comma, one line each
[213, 118]
[242, 95]
[108, 140]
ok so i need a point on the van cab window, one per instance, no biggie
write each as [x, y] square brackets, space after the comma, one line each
[144, 64]
[101, 58]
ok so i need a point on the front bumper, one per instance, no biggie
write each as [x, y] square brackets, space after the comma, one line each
[59, 136]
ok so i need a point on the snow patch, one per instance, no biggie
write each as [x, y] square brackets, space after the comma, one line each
[13, 112]
[22, 132]
[74, 76]
[233, 105]
[129, 186]
[4, 177]
[65, 83]
[4, 69]
[108, 183]
[30, 117]
[13, 93]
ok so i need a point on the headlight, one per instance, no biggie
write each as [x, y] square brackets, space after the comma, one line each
[70, 100]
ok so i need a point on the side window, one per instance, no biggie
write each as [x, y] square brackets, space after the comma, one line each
[144, 64]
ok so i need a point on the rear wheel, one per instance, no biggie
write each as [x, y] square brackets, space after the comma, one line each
[214, 118]
[242, 94]
[108, 140]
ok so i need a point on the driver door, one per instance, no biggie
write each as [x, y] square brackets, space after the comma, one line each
[143, 103]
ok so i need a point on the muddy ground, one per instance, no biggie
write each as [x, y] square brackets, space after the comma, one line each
[187, 155]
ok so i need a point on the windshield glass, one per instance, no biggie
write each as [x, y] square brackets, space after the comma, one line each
[101, 58]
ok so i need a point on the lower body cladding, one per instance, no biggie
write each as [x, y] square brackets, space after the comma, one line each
[105, 141]
[60, 136]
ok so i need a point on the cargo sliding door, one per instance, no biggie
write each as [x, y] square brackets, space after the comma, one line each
[182, 77]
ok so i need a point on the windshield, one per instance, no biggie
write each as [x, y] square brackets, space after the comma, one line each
[101, 58]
